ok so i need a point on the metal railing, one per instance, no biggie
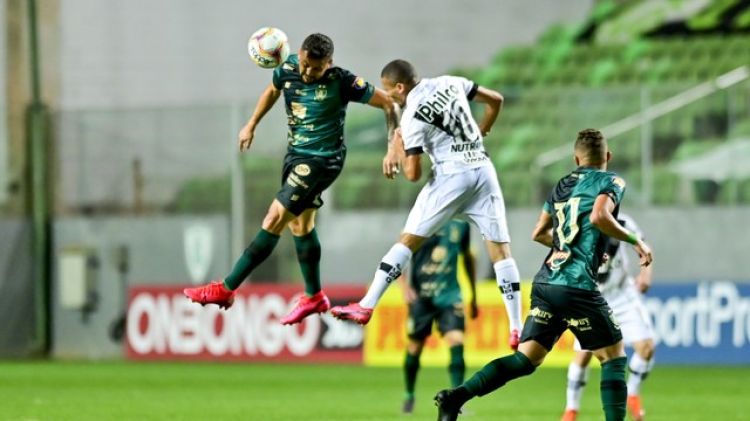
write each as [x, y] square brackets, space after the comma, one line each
[642, 119]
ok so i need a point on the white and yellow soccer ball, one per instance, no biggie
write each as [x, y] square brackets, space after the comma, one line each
[268, 47]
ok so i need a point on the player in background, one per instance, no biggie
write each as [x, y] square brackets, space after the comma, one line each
[578, 216]
[316, 95]
[623, 294]
[437, 121]
[434, 295]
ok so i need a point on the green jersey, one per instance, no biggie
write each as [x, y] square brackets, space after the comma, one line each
[578, 246]
[434, 267]
[316, 111]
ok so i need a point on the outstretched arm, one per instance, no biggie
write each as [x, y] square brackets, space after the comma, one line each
[493, 101]
[381, 100]
[392, 159]
[602, 218]
[265, 103]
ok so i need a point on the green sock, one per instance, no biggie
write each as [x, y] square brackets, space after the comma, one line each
[411, 367]
[613, 389]
[308, 255]
[457, 368]
[497, 373]
[254, 254]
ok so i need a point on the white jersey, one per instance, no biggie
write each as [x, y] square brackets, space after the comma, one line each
[614, 276]
[617, 286]
[437, 120]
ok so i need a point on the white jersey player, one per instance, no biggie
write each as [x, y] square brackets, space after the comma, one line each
[623, 294]
[437, 121]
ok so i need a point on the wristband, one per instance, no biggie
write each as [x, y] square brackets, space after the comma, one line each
[632, 238]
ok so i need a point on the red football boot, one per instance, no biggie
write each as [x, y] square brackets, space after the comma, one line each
[213, 293]
[569, 415]
[354, 312]
[634, 407]
[306, 306]
[514, 340]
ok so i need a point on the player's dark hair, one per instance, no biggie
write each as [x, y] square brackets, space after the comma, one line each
[592, 144]
[318, 46]
[400, 71]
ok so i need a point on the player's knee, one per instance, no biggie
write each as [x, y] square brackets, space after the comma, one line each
[528, 365]
[300, 228]
[414, 347]
[453, 337]
[273, 222]
[277, 218]
[413, 242]
[498, 251]
[646, 350]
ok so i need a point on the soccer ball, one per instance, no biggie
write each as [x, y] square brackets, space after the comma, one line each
[268, 47]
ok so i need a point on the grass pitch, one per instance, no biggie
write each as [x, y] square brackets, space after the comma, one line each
[202, 391]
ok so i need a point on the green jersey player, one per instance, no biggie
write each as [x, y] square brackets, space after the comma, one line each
[577, 218]
[434, 295]
[316, 95]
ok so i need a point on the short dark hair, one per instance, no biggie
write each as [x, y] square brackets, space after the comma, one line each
[592, 144]
[318, 46]
[399, 71]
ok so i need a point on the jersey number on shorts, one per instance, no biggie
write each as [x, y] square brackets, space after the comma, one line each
[567, 221]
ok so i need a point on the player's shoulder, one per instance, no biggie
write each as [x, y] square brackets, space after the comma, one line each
[450, 79]
[611, 177]
[288, 67]
[339, 73]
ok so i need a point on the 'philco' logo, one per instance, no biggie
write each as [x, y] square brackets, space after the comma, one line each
[434, 106]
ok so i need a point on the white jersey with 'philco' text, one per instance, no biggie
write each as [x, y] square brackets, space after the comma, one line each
[437, 120]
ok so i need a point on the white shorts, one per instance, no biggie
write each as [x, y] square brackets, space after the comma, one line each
[630, 313]
[474, 194]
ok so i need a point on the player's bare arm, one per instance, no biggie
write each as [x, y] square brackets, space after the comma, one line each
[413, 167]
[395, 153]
[542, 233]
[493, 101]
[643, 280]
[381, 100]
[602, 218]
[393, 156]
[265, 103]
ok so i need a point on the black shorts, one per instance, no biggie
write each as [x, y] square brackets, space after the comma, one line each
[422, 312]
[555, 308]
[305, 177]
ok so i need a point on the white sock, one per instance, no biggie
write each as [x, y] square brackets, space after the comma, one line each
[577, 378]
[509, 282]
[639, 369]
[389, 269]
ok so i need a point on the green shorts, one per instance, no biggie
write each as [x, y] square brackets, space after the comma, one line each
[423, 312]
[555, 308]
[305, 177]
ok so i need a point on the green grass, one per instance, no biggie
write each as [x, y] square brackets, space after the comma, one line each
[158, 391]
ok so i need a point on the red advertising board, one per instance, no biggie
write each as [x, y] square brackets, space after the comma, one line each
[164, 325]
